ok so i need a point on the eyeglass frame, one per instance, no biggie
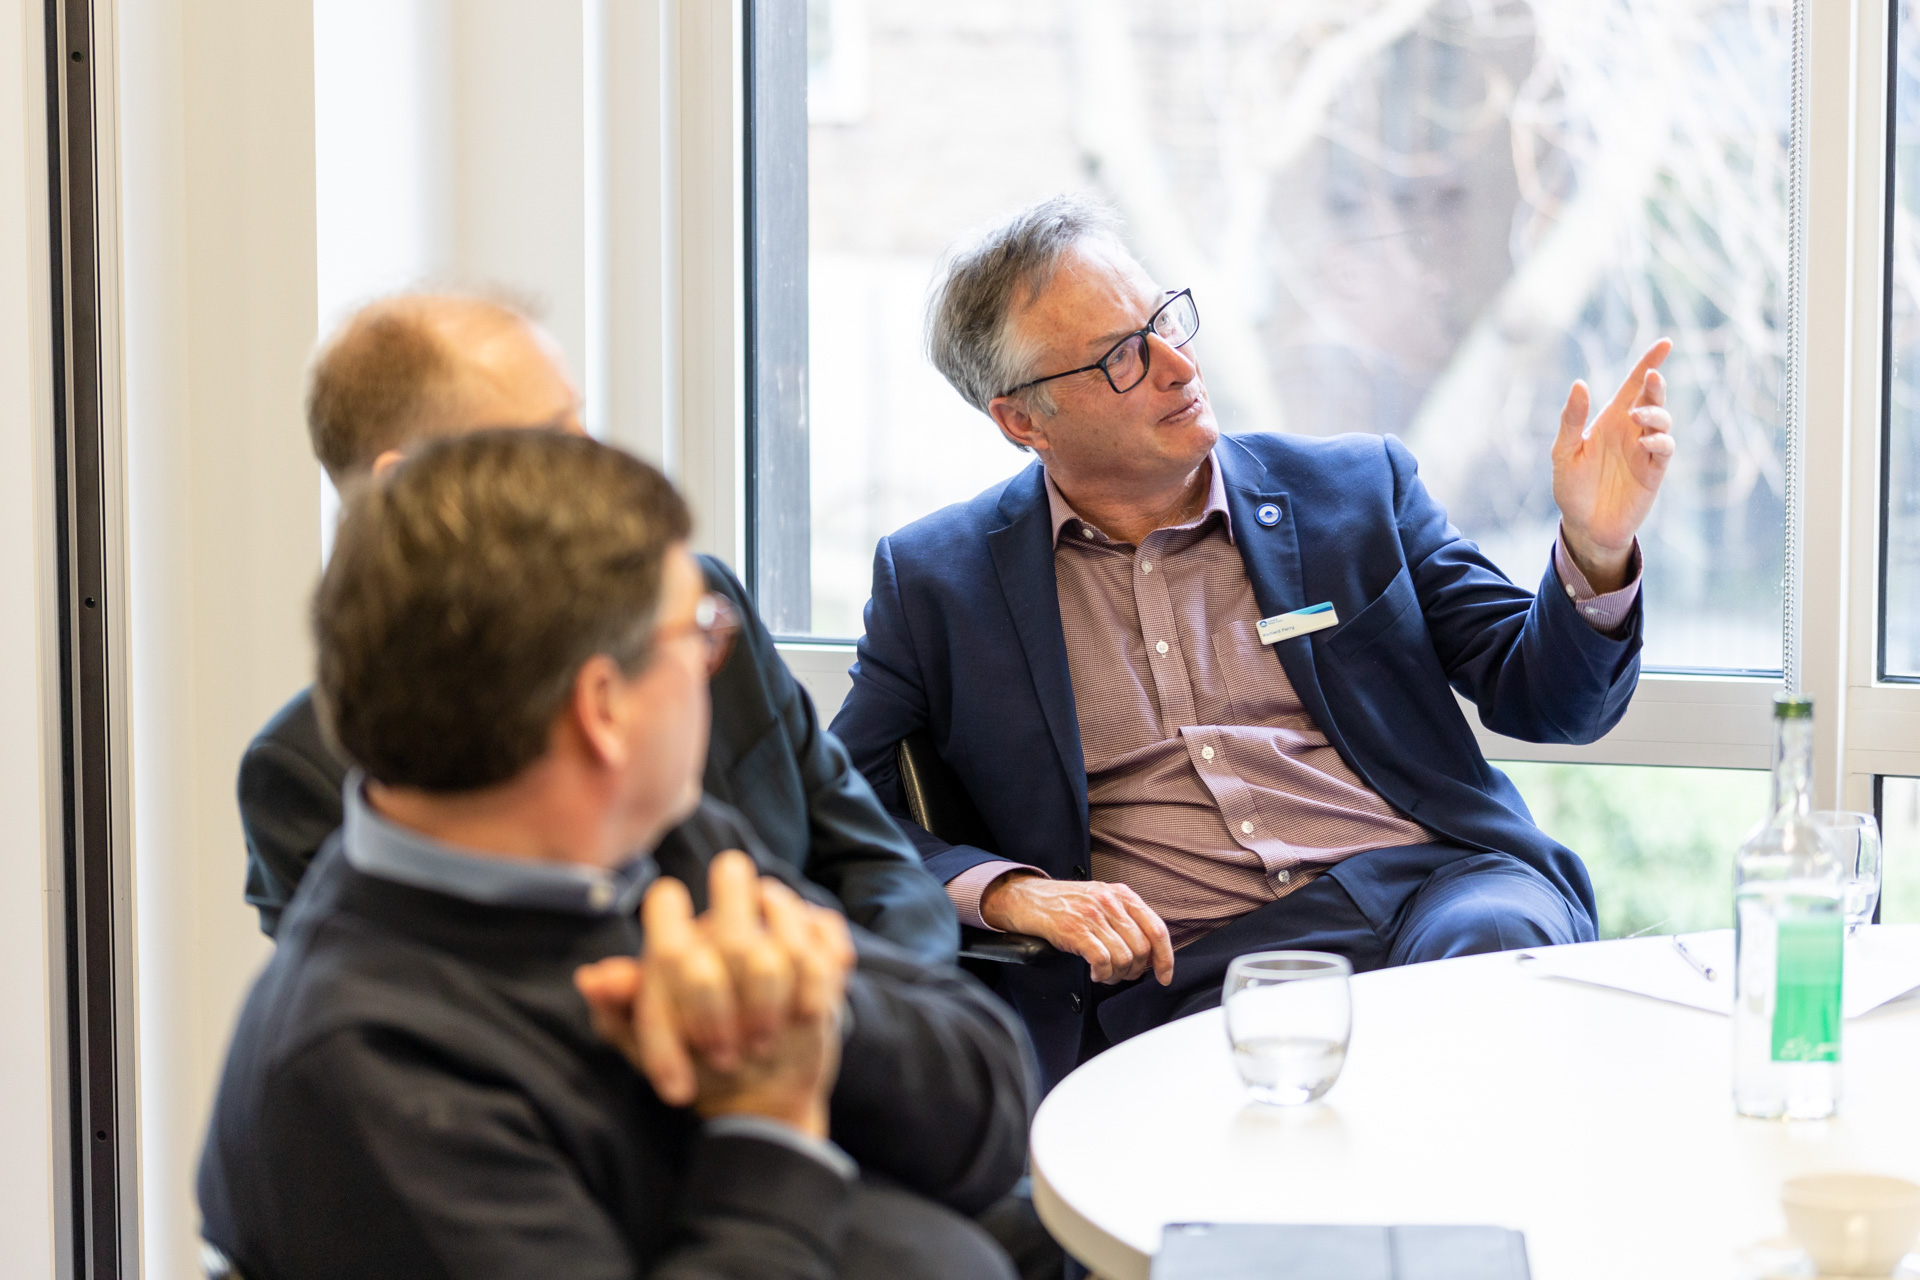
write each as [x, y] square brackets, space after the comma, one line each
[718, 624]
[1144, 332]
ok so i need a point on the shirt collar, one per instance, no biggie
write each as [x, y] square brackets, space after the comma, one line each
[1066, 518]
[378, 847]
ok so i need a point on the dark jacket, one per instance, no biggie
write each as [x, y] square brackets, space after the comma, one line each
[768, 757]
[964, 639]
[414, 1091]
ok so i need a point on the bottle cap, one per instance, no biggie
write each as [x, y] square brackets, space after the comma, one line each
[1793, 706]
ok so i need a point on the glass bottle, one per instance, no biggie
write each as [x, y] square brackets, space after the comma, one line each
[1788, 890]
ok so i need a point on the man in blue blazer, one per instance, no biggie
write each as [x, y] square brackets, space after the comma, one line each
[1080, 642]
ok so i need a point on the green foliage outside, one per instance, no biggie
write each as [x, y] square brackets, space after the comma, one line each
[1900, 823]
[1659, 842]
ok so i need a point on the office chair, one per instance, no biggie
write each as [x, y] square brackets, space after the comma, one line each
[938, 802]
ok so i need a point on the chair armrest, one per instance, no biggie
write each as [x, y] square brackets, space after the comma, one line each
[937, 801]
[1001, 948]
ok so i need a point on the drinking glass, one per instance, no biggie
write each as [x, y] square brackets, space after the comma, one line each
[1857, 838]
[1288, 1017]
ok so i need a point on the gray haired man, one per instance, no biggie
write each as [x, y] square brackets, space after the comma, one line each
[1200, 686]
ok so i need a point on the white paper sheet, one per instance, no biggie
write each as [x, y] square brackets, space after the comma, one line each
[1882, 964]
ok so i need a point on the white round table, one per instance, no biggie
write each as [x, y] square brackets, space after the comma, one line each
[1596, 1121]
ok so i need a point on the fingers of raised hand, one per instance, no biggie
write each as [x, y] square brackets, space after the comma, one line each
[1573, 418]
[1651, 418]
[1635, 388]
[1653, 389]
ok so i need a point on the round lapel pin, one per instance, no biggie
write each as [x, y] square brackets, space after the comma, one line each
[1268, 515]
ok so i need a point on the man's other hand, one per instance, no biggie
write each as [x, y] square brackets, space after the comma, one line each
[1107, 925]
[1605, 476]
[736, 1011]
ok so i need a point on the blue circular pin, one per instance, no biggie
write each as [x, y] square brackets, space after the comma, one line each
[1268, 515]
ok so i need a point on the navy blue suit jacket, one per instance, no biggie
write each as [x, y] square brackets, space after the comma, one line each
[964, 639]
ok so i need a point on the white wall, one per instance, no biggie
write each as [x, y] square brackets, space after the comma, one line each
[582, 154]
[278, 163]
[216, 147]
[29, 773]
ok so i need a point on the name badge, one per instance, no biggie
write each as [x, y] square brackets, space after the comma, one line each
[1285, 626]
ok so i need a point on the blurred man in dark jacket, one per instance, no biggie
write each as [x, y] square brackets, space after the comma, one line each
[417, 367]
[514, 644]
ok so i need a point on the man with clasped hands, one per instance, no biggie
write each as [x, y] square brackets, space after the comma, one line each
[514, 645]
[1201, 687]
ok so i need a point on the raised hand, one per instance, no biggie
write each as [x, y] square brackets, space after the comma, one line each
[1605, 475]
[1107, 925]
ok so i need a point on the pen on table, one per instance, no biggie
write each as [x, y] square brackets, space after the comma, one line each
[1699, 967]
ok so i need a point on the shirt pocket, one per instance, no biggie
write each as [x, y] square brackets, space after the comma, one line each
[1257, 691]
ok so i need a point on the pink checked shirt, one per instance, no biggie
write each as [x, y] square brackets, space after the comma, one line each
[1210, 790]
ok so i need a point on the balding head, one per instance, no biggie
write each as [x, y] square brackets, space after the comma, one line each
[418, 366]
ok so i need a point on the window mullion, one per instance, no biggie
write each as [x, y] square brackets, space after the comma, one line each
[1841, 348]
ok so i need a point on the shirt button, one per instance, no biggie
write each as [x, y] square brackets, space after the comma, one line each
[1246, 828]
[1592, 612]
[1086, 531]
[1146, 566]
[1161, 647]
[1206, 753]
[1570, 593]
[1281, 877]
[600, 895]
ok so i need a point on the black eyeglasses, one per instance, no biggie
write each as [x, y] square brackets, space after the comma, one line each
[1125, 364]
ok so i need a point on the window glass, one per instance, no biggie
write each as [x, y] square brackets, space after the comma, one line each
[1900, 837]
[1658, 842]
[1902, 567]
[1424, 219]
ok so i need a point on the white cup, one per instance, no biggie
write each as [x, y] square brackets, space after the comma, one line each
[1853, 1224]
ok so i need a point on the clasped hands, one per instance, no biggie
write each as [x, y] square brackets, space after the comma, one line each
[737, 1011]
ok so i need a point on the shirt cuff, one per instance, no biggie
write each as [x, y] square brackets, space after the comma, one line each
[767, 1129]
[1601, 612]
[965, 889]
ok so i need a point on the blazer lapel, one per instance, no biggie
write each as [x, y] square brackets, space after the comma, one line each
[1271, 553]
[1022, 553]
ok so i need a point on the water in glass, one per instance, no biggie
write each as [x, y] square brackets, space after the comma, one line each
[1288, 1017]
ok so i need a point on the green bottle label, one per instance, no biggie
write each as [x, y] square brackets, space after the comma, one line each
[1806, 1007]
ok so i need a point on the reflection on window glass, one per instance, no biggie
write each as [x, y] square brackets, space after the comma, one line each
[1902, 602]
[1900, 837]
[1421, 218]
[1659, 842]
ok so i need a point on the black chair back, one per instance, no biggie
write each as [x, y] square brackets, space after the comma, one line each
[937, 801]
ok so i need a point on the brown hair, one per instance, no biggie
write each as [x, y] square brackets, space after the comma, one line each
[467, 588]
[388, 376]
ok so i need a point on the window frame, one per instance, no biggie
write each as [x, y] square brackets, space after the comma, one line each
[1868, 725]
